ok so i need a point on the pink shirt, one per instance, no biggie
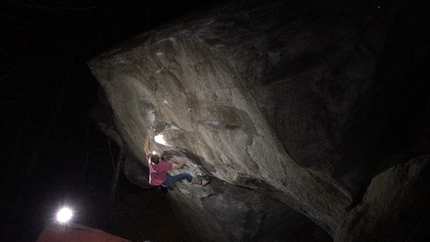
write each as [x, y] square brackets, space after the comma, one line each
[158, 172]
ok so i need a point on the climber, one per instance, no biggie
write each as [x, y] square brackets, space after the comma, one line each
[158, 169]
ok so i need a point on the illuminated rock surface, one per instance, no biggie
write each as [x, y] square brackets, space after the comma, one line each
[290, 109]
[67, 234]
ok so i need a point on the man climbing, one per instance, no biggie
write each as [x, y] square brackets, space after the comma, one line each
[158, 169]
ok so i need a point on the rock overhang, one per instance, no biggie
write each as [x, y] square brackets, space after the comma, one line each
[240, 101]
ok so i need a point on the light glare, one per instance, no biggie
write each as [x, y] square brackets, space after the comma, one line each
[160, 139]
[64, 215]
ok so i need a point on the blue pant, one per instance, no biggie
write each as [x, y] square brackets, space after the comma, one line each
[173, 179]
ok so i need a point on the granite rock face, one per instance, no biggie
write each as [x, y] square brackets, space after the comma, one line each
[395, 207]
[284, 105]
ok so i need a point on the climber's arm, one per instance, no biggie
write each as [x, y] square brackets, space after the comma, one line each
[179, 165]
[146, 146]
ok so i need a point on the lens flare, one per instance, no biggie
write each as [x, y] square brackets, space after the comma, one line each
[64, 215]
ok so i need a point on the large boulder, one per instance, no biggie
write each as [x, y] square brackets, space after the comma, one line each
[395, 207]
[284, 105]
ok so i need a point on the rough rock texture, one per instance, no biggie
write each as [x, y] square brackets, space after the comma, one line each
[286, 106]
[395, 207]
[239, 214]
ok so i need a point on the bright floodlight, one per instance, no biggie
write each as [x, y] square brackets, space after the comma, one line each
[64, 215]
[160, 139]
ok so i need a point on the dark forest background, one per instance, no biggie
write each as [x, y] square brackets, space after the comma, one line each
[51, 152]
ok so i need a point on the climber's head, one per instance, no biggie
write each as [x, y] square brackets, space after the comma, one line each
[155, 157]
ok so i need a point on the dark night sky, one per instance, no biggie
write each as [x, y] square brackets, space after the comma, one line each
[51, 151]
